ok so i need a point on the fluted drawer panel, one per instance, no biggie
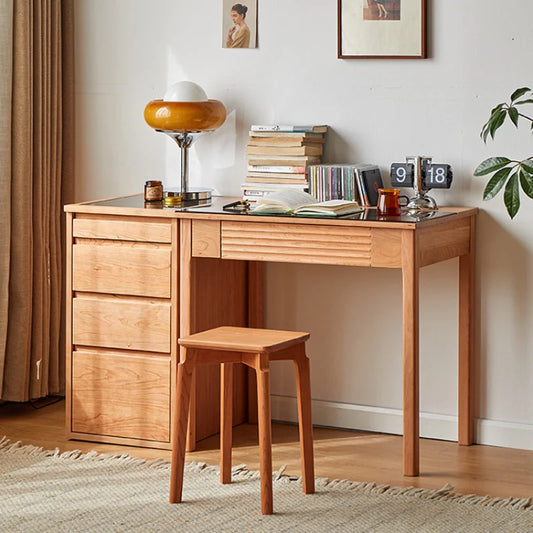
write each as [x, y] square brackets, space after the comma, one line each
[296, 243]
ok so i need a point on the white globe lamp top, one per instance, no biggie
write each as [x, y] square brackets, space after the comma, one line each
[185, 91]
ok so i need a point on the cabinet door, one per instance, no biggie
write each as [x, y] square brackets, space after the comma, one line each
[121, 395]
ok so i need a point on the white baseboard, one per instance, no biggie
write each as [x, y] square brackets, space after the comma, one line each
[504, 434]
[384, 420]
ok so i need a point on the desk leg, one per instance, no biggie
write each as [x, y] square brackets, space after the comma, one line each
[466, 336]
[410, 279]
[186, 298]
[256, 319]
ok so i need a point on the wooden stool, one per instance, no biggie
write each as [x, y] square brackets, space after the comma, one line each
[255, 348]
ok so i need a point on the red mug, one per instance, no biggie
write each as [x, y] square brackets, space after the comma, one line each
[389, 202]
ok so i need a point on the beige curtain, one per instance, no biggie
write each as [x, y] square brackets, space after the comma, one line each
[36, 173]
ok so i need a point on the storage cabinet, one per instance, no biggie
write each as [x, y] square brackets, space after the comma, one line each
[123, 324]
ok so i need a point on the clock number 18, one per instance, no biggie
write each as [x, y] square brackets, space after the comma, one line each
[437, 176]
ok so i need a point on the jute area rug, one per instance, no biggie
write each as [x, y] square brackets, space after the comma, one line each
[43, 491]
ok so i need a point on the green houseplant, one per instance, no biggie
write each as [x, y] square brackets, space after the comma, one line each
[508, 172]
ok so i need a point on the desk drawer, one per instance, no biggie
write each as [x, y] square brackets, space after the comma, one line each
[121, 395]
[138, 269]
[122, 228]
[296, 243]
[129, 323]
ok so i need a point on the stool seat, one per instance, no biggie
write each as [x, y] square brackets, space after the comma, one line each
[235, 339]
[255, 348]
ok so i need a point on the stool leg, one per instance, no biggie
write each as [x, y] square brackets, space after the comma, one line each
[179, 430]
[265, 438]
[226, 420]
[303, 387]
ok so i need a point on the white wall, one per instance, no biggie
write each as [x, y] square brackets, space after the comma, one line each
[379, 111]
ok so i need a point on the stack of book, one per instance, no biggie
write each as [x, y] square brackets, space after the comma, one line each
[279, 157]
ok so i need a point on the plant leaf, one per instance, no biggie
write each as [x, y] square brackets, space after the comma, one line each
[499, 107]
[526, 181]
[528, 101]
[519, 92]
[490, 165]
[527, 166]
[496, 121]
[513, 115]
[495, 115]
[496, 183]
[485, 131]
[511, 196]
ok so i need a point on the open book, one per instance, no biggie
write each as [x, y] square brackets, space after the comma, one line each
[294, 201]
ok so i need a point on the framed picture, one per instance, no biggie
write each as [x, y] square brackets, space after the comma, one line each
[239, 24]
[381, 28]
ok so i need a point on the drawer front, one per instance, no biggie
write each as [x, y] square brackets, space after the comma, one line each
[121, 395]
[296, 243]
[451, 240]
[122, 229]
[133, 324]
[122, 268]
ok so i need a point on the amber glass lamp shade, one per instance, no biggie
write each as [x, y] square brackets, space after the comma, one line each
[188, 117]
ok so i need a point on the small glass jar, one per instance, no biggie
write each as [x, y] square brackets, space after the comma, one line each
[172, 199]
[153, 191]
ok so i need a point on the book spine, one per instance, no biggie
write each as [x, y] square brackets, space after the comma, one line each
[362, 190]
[311, 178]
[282, 142]
[294, 175]
[303, 160]
[308, 135]
[254, 192]
[261, 179]
[272, 186]
[279, 127]
[284, 150]
[280, 169]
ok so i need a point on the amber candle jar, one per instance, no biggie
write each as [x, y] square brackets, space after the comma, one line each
[153, 191]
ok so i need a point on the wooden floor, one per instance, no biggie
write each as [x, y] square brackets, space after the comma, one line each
[357, 456]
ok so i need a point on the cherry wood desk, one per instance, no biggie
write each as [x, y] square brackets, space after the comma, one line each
[209, 236]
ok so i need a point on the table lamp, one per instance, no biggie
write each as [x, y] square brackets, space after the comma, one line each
[184, 114]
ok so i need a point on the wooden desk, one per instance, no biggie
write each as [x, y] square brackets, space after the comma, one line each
[409, 245]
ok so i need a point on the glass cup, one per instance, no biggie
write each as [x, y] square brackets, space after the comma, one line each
[389, 204]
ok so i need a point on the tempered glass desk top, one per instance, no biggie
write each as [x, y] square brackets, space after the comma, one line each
[218, 206]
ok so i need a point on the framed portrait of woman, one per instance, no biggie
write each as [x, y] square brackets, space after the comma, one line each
[239, 24]
[381, 28]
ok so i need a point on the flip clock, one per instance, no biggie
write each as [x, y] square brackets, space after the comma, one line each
[422, 175]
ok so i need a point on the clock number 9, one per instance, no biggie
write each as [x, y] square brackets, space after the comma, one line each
[401, 174]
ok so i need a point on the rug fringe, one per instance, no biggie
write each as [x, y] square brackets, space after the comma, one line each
[240, 472]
